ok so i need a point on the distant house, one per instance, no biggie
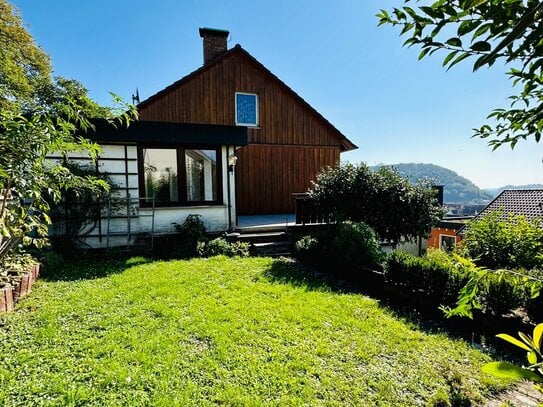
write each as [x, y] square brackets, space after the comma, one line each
[526, 202]
[228, 139]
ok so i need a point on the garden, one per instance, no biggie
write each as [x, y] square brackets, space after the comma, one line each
[223, 331]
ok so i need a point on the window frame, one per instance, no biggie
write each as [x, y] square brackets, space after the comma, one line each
[181, 175]
[441, 236]
[257, 116]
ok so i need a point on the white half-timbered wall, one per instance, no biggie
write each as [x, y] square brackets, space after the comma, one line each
[120, 162]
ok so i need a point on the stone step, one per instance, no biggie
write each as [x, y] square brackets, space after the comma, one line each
[273, 249]
[262, 237]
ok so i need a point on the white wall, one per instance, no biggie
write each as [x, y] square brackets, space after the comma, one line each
[120, 161]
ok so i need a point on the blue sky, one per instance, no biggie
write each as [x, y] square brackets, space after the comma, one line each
[395, 108]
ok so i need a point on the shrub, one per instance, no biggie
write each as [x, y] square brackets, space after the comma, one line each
[355, 245]
[503, 294]
[384, 200]
[434, 275]
[348, 246]
[221, 246]
[495, 241]
[191, 231]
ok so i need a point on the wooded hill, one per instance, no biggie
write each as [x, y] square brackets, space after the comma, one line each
[457, 189]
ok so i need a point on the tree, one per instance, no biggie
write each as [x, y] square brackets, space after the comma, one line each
[488, 30]
[24, 67]
[39, 116]
[384, 200]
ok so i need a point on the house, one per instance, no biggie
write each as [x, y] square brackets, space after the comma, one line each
[526, 202]
[228, 139]
[445, 235]
[289, 142]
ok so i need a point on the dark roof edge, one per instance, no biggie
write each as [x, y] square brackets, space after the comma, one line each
[156, 132]
[346, 144]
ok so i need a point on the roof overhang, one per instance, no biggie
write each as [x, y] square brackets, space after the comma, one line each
[168, 133]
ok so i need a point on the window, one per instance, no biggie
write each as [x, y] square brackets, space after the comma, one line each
[246, 109]
[178, 176]
[446, 243]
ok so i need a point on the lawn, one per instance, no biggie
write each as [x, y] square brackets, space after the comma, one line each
[221, 331]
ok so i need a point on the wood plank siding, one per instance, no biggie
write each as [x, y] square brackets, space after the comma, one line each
[288, 148]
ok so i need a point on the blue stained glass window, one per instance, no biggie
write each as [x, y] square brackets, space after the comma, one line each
[246, 109]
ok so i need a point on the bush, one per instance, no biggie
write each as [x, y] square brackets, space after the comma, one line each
[349, 246]
[191, 232]
[440, 277]
[503, 294]
[511, 242]
[434, 275]
[220, 246]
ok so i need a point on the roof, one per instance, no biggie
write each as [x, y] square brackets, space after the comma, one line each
[527, 202]
[346, 144]
[167, 133]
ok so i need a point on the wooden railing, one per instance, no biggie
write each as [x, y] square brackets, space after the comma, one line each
[307, 212]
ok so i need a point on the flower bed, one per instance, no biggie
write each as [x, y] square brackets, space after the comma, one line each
[17, 275]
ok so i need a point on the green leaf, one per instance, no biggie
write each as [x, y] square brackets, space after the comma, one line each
[473, 3]
[424, 52]
[454, 42]
[538, 335]
[481, 46]
[508, 370]
[532, 357]
[430, 11]
[449, 57]
[514, 341]
[467, 26]
[458, 59]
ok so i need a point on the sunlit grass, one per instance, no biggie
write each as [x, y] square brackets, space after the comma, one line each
[220, 331]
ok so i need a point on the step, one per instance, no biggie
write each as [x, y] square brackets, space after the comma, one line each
[273, 249]
[262, 237]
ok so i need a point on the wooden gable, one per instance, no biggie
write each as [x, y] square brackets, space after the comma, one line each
[207, 96]
[291, 144]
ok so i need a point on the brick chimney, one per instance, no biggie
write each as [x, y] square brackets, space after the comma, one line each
[214, 43]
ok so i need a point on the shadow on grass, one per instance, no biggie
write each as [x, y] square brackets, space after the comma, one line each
[430, 320]
[297, 274]
[90, 266]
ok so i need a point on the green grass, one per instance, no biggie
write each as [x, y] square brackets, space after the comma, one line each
[221, 331]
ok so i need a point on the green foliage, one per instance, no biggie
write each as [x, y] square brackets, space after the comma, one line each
[495, 241]
[456, 284]
[221, 246]
[38, 117]
[533, 346]
[78, 211]
[191, 232]
[348, 246]
[384, 200]
[15, 264]
[497, 291]
[457, 189]
[250, 331]
[434, 277]
[489, 30]
[24, 67]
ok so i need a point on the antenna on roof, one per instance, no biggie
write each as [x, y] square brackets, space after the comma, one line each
[136, 98]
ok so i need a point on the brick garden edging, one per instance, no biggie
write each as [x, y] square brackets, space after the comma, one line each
[10, 294]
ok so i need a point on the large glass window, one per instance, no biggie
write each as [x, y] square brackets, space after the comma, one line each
[201, 172]
[180, 176]
[160, 174]
[246, 109]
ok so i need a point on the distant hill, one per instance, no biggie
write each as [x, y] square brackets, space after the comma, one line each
[457, 189]
[496, 191]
